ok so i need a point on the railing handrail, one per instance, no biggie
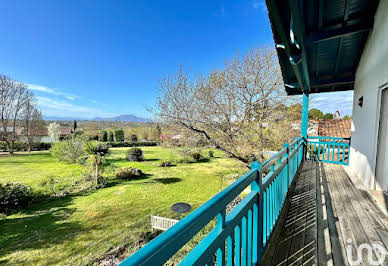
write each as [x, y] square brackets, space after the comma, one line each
[163, 247]
[325, 137]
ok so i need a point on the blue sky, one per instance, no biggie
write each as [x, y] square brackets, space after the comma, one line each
[89, 58]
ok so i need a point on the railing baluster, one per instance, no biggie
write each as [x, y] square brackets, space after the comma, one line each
[255, 234]
[249, 237]
[237, 250]
[244, 252]
[343, 153]
[221, 250]
[338, 149]
[267, 214]
[229, 250]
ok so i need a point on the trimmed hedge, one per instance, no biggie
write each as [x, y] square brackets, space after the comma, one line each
[132, 144]
[22, 146]
[135, 155]
[128, 173]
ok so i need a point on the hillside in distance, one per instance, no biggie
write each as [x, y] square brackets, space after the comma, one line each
[120, 118]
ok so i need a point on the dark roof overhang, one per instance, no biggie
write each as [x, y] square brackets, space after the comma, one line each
[319, 43]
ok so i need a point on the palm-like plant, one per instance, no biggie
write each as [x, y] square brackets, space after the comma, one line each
[97, 152]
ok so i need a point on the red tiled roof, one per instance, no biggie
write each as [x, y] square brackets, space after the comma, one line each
[44, 132]
[65, 130]
[340, 128]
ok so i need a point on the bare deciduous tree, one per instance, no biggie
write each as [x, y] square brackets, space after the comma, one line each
[231, 107]
[13, 98]
[33, 124]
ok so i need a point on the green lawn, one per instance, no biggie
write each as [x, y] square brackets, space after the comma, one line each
[82, 228]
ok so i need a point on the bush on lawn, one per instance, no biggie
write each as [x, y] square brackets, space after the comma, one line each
[135, 155]
[134, 138]
[14, 196]
[190, 155]
[196, 156]
[128, 173]
[165, 164]
[70, 150]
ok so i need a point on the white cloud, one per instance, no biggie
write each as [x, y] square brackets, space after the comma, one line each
[259, 5]
[56, 102]
[71, 98]
[60, 108]
[35, 87]
[333, 101]
[57, 92]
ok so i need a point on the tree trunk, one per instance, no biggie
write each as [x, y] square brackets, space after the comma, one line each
[10, 147]
[29, 146]
[96, 175]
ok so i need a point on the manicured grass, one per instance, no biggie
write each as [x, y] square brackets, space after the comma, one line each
[81, 229]
[36, 168]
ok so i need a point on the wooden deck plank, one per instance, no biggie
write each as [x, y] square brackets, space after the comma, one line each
[324, 211]
[345, 227]
[338, 252]
[354, 215]
[367, 222]
[324, 246]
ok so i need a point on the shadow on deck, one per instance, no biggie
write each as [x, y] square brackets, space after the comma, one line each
[325, 219]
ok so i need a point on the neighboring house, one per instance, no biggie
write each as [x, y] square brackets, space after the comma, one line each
[312, 129]
[9, 129]
[45, 138]
[176, 137]
[340, 128]
[167, 137]
[65, 131]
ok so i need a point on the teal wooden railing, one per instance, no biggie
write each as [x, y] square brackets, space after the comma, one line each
[329, 149]
[241, 236]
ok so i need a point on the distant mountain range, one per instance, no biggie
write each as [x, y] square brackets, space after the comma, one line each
[120, 118]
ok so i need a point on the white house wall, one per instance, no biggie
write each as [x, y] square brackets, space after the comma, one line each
[371, 75]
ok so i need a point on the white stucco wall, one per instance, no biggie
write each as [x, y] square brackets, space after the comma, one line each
[47, 139]
[372, 73]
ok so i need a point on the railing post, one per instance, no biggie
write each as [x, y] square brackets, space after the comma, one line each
[305, 114]
[286, 145]
[257, 216]
[297, 153]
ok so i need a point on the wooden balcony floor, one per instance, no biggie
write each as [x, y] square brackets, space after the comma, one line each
[325, 215]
